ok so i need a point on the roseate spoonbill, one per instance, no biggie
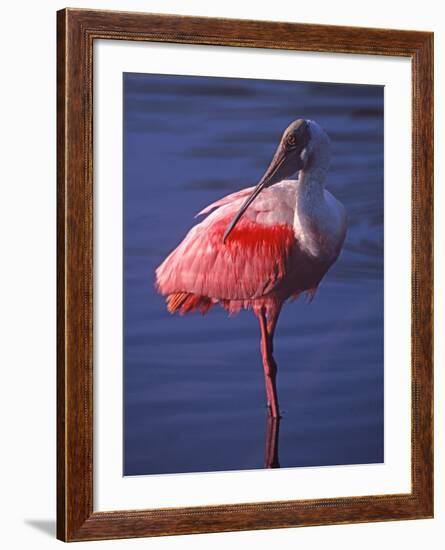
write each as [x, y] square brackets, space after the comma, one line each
[262, 245]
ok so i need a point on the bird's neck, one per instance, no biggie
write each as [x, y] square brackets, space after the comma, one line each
[311, 182]
[312, 213]
[313, 175]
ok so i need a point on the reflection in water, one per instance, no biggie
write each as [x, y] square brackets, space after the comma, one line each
[271, 458]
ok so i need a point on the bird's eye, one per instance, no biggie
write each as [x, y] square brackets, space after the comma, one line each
[291, 140]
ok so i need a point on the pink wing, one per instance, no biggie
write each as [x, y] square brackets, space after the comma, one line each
[226, 200]
[254, 258]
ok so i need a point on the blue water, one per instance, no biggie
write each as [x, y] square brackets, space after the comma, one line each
[194, 397]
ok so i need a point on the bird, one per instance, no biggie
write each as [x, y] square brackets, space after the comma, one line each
[263, 245]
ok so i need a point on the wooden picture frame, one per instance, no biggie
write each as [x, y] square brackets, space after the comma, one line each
[76, 32]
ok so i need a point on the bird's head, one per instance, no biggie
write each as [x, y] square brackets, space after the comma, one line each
[300, 140]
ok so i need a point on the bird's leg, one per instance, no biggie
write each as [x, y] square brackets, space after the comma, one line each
[272, 319]
[269, 365]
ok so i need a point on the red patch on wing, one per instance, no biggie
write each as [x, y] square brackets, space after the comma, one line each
[247, 234]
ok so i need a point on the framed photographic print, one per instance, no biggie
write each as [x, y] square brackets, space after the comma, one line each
[244, 275]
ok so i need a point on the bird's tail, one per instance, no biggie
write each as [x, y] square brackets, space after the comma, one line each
[185, 302]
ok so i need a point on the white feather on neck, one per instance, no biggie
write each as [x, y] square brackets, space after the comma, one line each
[319, 219]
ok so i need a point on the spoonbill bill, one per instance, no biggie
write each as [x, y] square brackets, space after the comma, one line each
[262, 245]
